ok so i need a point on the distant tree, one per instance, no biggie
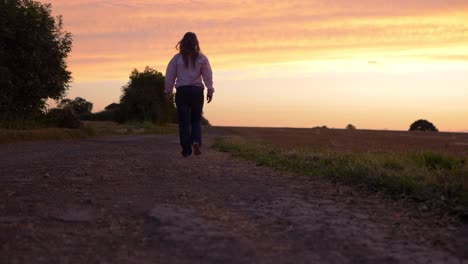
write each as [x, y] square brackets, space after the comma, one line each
[422, 125]
[112, 106]
[350, 127]
[79, 106]
[143, 98]
[33, 52]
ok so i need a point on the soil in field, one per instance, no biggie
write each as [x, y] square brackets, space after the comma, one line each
[359, 140]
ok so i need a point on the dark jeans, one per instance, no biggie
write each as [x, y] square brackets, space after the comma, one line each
[189, 102]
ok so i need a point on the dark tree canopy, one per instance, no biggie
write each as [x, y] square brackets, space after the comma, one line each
[422, 125]
[143, 98]
[79, 106]
[33, 52]
[112, 106]
[350, 127]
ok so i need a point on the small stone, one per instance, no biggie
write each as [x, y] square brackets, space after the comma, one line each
[423, 208]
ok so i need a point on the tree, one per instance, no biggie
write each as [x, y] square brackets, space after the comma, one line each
[79, 106]
[350, 127]
[422, 125]
[143, 98]
[33, 52]
[112, 107]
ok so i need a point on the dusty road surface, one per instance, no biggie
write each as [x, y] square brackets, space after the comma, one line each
[133, 199]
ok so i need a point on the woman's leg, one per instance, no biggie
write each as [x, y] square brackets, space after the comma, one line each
[183, 113]
[197, 101]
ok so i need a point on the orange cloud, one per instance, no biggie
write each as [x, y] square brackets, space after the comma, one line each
[110, 35]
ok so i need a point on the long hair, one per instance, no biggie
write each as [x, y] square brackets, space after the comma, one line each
[189, 47]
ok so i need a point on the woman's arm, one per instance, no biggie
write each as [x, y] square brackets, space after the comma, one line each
[171, 74]
[207, 75]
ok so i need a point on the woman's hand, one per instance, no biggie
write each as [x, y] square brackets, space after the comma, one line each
[169, 97]
[209, 97]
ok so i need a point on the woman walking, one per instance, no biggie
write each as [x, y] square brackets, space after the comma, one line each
[186, 71]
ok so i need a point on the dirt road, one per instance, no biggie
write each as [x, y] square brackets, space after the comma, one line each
[133, 199]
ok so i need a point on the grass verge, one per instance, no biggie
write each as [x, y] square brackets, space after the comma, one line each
[89, 129]
[13, 135]
[440, 181]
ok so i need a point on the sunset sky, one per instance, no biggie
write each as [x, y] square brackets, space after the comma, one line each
[377, 64]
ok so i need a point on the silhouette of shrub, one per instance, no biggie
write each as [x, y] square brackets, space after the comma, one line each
[423, 125]
[205, 121]
[350, 127]
[63, 118]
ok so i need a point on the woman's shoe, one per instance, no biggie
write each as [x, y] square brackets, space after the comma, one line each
[186, 154]
[196, 149]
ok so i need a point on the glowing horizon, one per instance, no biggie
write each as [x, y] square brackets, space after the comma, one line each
[298, 64]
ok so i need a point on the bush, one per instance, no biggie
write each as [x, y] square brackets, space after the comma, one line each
[205, 121]
[63, 118]
[423, 125]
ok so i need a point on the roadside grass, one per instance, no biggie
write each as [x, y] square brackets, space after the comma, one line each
[441, 181]
[89, 129]
[18, 135]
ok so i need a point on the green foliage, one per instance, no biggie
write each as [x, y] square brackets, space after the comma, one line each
[393, 164]
[62, 118]
[435, 161]
[143, 98]
[423, 125]
[426, 176]
[79, 106]
[11, 135]
[33, 52]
